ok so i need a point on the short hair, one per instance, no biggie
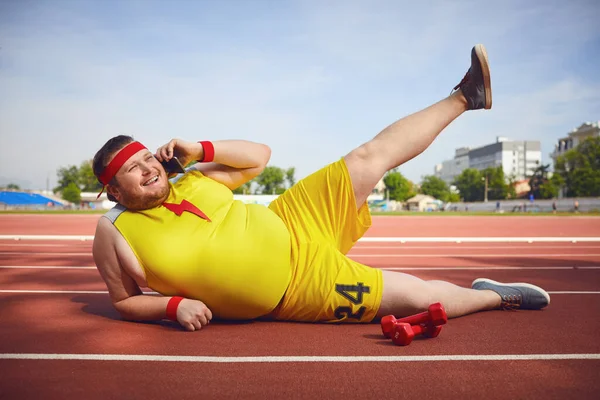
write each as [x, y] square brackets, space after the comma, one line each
[105, 153]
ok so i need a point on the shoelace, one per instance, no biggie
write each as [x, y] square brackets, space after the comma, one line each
[464, 79]
[511, 302]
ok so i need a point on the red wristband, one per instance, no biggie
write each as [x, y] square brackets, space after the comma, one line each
[172, 307]
[209, 151]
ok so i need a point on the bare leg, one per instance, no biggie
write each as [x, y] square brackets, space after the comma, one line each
[400, 142]
[405, 295]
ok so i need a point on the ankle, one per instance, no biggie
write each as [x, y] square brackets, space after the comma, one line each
[460, 98]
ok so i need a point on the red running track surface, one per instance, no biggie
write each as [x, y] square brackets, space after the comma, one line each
[85, 323]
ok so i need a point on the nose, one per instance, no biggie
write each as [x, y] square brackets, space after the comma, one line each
[146, 168]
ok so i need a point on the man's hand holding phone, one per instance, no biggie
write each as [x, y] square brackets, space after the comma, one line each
[173, 166]
[184, 151]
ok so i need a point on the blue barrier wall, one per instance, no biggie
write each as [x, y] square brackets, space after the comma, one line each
[25, 199]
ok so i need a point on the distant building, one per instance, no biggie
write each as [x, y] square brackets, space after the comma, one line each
[517, 158]
[423, 202]
[576, 136]
[450, 169]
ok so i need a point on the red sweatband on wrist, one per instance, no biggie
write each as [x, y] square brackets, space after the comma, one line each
[172, 307]
[209, 151]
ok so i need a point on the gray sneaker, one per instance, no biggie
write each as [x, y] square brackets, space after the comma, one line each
[515, 295]
[476, 86]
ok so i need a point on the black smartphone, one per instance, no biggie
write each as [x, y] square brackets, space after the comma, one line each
[173, 166]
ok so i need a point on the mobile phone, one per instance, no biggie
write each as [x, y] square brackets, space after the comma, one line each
[173, 166]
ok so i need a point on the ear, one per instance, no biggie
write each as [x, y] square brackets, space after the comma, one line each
[114, 191]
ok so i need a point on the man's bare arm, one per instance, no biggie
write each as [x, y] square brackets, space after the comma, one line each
[235, 161]
[111, 260]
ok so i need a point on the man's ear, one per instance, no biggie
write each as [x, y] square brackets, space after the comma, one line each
[114, 191]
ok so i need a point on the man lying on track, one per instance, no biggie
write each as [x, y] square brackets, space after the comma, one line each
[212, 256]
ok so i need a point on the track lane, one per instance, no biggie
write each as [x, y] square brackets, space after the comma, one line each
[448, 380]
[78, 278]
[413, 226]
[87, 323]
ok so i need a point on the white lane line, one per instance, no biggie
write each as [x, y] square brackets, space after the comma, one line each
[506, 255]
[452, 247]
[493, 239]
[37, 253]
[298, 359]
[47, 237]
[573, 292]
[350, 254]
[18, 244]
[155, 293]
[384, 239]
[482, 268]
[42, 267]
[449, 268]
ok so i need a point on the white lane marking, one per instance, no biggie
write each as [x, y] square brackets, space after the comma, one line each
[452, 247]
[47, 237]
[155, 293]
[350, 254]
[42, 267]
[64, 291]
[298, 359]
[449, 268]
[505, 239]
[482, 268]
[573, 292]
[41, 253]
[507, 255]
[30, 244]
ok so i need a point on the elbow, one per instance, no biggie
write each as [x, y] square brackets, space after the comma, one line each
[265, 155]
[124, 311]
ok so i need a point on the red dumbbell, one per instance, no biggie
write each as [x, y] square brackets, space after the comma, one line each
[403, 333]
[436, 315]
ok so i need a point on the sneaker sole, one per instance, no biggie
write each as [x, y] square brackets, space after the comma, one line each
[527, 285]
[485, 70]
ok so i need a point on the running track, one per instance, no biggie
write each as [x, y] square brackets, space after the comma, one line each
[61, 339]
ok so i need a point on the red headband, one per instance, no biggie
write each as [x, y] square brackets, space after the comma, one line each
[117, 162]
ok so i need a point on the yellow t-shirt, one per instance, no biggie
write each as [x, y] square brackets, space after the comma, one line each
[238, 263]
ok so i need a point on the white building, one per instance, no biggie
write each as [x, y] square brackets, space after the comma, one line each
[517, 158]
[576, 136]
[450, 169]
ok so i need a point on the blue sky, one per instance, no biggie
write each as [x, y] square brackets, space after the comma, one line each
[313, 79]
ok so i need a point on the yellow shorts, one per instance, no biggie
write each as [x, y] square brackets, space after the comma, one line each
[327, 286]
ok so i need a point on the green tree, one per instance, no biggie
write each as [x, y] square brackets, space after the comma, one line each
[436, 187]
[13, 186]
[511, 187]
[399, 188]
[541, 186]
[87, 180]
[66, 176]
[244, 189]
[72, 193]
[497, 186]
[580, 169]
[453, 198]
[271, 180]
[289, 176]
[470, 185]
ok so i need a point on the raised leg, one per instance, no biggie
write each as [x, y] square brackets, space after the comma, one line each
[411, 135]
[399, 143]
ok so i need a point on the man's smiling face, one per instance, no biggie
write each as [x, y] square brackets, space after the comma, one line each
[141, 183]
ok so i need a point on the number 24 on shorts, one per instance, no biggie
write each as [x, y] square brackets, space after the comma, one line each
[354, 293]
